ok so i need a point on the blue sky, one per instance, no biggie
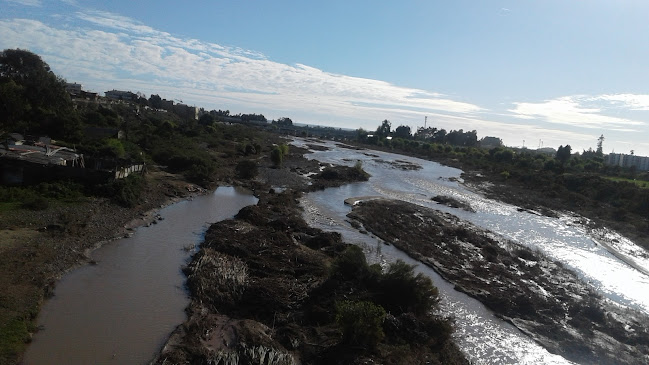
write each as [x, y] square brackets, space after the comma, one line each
[550, 72]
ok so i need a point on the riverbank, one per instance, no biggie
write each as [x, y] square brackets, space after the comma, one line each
[539, 296]
[38, 247]
[266, 287]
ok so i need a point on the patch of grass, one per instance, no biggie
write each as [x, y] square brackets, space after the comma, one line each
[9, 206]
[14, 336]
[640, 183]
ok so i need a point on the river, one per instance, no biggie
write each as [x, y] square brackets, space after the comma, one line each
[484, 338]
[122, 310]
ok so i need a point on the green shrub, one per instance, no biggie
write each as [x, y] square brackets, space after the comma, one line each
[402, 291]
[36, 202]
[284, 148]
[125, 192]
[351, 263]
[246, 169]
[276, 155]
[361, 322]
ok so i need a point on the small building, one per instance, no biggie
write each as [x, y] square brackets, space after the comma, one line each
[120, 95]
[73, 88]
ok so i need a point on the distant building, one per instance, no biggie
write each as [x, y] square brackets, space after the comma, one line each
[641, 163]
[186, 111]
[73, 88]
[120, 95]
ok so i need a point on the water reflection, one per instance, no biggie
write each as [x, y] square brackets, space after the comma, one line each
[485, 338]
[562, 239]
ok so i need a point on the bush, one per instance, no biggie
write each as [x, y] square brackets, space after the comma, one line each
[276, 156]
[361, 322]
[403, 292]
[125, 192]
[36, 203]
[246, 169]
[284, 148]
[351, 263]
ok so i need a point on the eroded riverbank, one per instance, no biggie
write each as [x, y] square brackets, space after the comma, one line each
[542, 298]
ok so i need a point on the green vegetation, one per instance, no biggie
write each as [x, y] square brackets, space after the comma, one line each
[644, 184]
[14, 337]
[278, 153]
[361, 322]
[246, 169]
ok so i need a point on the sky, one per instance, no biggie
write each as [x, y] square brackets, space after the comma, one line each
[534, 73]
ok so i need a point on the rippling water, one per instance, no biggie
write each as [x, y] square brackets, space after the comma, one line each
[121, 310]
[485, 338]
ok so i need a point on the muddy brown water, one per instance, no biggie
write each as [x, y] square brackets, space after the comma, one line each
[121, 310]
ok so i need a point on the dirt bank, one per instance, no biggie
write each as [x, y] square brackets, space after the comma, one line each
[540, 297]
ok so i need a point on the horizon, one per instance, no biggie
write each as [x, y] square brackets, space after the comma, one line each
[547, 74]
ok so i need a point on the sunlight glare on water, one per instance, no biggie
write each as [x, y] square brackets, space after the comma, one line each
[563, 239]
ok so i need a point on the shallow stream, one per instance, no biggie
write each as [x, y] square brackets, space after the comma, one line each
[122, 310]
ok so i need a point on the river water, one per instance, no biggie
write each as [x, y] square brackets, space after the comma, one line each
[122, 310]
[485, 338]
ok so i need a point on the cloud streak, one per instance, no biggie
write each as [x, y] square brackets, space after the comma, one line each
[117, 47]
[36, 3]
[104, 50]
[576, 111]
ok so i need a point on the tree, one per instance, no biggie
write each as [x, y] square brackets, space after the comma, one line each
[563, 154]
[440, 136]
[284, 122]
[425, 133]
[600, 142]
[206, 119]
[33, 98]
[384, 129]
[155, 101]
[403, 131]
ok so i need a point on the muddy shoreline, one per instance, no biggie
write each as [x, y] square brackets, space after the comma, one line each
[537, 295]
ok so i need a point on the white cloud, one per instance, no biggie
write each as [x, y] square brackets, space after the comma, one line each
[115, 21]
[628, 101]
[37, 3]
[577, 111]
[136, 51]
[112, 51]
